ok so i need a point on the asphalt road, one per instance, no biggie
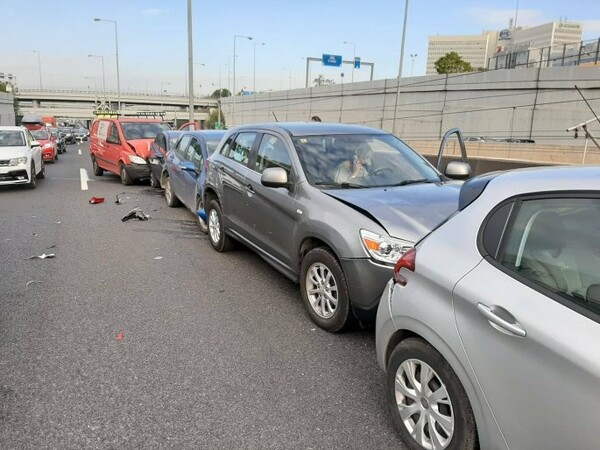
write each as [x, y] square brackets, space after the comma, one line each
[108, 347]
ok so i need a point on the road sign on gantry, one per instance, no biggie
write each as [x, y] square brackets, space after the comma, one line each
[332, 60]
[356, 62]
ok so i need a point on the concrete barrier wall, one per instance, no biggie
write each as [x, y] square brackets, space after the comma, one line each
[7, 111]
[536, 104]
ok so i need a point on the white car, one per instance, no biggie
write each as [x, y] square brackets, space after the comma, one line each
[20, 157]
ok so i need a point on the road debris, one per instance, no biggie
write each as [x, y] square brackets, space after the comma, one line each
[119, 200]
[96, 200]
[158, 257]
[52, 246]
[43, 256]
[32, 282]
[120, 336]
[135, 213]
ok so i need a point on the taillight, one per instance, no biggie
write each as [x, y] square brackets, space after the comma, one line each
[406, 261]
[206, 166]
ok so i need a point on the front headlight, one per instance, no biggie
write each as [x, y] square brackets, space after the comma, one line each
[385, 249]
[48, 145]
[17, 161]
[136, 159]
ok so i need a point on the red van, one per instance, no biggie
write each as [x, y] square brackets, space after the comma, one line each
[121, 146]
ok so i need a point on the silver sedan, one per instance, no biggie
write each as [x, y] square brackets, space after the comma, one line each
[489, 329]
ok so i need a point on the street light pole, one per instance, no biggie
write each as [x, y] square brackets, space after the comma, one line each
[254, 83]
[235, 36]
[353, 56]
[117, 55]
[190, 62]
[412, 65]
[103, 75]
[400, 65]
[39, 67]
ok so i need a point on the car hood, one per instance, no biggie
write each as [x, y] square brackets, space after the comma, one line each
[406, 212]
[13, 152]
[141, 146]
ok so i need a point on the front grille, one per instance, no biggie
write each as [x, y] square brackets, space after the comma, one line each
[13, 176]
[4, 162]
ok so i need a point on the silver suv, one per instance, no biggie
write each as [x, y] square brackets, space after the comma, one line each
[331, 206]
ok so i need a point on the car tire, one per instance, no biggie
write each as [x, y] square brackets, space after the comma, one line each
[154, 182]
[201, 223]
[216, 229]
[125, 177]
[320, 276]
[42, 173]
[32, 177]
[170, 197]
[98, 171]
[55, 156]
[454, 406]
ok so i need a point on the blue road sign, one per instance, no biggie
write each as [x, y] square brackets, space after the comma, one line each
[357, 62]
[332, 60]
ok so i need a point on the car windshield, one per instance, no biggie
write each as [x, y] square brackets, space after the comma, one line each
[143, 130]
[40, 134]
[65, 130]
[361, 160]
[11, 138]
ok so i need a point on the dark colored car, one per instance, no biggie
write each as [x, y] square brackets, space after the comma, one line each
[185, 170]
[81, 134]
[61, 145]
[67, 133]
[331, 206]
[163, 143]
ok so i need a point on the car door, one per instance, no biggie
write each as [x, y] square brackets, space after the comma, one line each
[36, 152]
[173, 163]
[192, 159]
[528, 316]
[272, 212]
[232, 170]
[112, 148]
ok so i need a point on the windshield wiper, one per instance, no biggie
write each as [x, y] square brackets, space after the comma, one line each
[406, 182]
[344, 185]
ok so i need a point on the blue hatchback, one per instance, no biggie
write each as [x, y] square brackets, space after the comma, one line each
[184, 172]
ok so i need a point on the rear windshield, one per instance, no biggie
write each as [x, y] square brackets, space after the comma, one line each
[143, 130]
[40, 134]
[11, 138]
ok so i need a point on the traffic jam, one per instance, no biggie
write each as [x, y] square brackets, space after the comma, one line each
[482, 292]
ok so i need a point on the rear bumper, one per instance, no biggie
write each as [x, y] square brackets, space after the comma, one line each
[156, 167]
[48, 154]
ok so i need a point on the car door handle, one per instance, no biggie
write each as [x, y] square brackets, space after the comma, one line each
[499, 323]
[250, 188]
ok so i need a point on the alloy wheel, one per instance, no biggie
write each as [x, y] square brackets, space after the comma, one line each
[322, 290]
[168, 192]
[424, 404]
[214, 226]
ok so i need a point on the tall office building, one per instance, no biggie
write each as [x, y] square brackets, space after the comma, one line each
[475, 49]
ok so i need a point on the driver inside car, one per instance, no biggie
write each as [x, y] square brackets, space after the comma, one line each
[358, 167]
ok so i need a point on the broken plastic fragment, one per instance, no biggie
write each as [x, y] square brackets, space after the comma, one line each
[120, 336]
[95, 200]
[158, 257]
[118, 201]
[135, 213]
[31, 282]
[43, 256]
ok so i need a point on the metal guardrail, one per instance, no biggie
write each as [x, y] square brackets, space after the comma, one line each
[114, 94]
[565, 55]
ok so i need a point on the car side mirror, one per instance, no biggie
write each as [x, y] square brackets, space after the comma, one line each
[275, 177]
[458, 170]
[35, 144]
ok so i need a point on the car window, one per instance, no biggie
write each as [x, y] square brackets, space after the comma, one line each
[160, 142]
[272, 153]
[363, 160]
[40, 135]
[142, 130]
[113, 134]
[240, 149]
[182, 146]
[195, 153]
[10, 138]
[554, 244]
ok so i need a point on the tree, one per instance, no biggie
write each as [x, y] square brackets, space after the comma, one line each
[221, 93]
[213, 119]
[452, 63]
[321, 80]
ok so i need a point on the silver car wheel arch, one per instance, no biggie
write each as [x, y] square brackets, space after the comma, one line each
[432, 429]
[322, 290]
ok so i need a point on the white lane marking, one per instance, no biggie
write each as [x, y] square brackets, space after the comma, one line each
[84, 179]
[79, 151]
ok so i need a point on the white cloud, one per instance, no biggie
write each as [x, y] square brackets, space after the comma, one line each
[497, 19]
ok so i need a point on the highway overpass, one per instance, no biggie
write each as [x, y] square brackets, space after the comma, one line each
[80, 105]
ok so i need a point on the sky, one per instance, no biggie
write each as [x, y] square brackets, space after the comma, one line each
[153, 52]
